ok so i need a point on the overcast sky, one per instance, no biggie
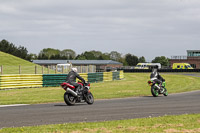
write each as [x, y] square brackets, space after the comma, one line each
[146, 28]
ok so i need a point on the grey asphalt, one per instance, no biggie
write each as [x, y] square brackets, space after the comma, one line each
[101, 110]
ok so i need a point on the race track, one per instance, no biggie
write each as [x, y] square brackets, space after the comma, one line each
[101, 110]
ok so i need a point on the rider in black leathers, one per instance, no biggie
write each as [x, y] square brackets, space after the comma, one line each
[155, 76]
[71, 79]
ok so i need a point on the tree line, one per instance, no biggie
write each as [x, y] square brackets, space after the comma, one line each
[68, 54]
[10, 48]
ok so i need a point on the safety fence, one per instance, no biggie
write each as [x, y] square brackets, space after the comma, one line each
[47, 80]
[50, 69]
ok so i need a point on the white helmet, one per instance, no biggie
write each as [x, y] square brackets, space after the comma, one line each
[154, 70]
[74, 69]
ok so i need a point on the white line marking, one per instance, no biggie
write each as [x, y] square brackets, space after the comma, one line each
[13, 105]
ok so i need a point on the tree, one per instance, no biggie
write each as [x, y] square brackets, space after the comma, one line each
[33, 56]
[114, 55]
[142, 59]
[5, 46]
[131, 60]
[97, 54]
[162, 60]
[87, 56]
[48, 52]
[22, 52]
[104, 56]
[80, 57]
[42, 56]
[10, 48]
[123, 60]
[67, 54]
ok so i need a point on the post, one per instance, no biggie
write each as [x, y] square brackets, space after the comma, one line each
[1, 69]
[56, 69]
[19, 69]
[48, 69]
[42, 69]
[62, 69]
[35, 69]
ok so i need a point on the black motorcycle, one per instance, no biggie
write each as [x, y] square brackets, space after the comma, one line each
[71, 97]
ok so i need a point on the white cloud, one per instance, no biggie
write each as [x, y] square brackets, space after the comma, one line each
[127, 26]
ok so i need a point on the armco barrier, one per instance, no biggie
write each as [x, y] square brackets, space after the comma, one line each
[20, 81]
[47, 80]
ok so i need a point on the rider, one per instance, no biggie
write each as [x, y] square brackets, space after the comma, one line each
[155, 76]
[71, 79]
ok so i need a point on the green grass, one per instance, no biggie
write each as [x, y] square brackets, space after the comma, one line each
[166, 124]
[11, 64]
[134, 84]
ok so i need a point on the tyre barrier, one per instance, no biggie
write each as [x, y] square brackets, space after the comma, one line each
[50, 80]
[20, 81]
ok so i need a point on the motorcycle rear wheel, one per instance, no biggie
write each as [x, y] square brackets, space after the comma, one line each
[89, 98]
[69, 99]
[154, 92]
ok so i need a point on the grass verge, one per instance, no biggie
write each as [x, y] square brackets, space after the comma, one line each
[134, 84]
[11, 65]
[166, 124]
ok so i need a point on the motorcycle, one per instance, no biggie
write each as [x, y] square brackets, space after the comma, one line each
[71, 97]
[156, 89]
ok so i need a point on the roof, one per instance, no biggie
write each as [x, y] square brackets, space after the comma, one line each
[77, 62]
[193, 50]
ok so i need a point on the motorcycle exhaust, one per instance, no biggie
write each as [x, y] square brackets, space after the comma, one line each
[72, 92]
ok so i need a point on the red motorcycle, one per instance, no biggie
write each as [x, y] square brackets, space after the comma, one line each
[71, 97]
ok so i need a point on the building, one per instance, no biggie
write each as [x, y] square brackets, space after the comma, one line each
[193, 58]
[82, 65]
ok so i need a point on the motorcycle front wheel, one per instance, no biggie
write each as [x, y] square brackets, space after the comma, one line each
[154, 91]
[89, 98]
[69, 99]
[165, 93]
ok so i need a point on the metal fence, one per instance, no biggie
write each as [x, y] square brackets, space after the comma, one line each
[22, 69]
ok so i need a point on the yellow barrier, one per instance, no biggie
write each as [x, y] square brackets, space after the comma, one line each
[20, 81]
[36, 80]
[107, 76]
[84, 76]
[121, 74]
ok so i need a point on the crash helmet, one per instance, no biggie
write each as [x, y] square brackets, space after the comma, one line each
[74, 69]
[154, 71]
